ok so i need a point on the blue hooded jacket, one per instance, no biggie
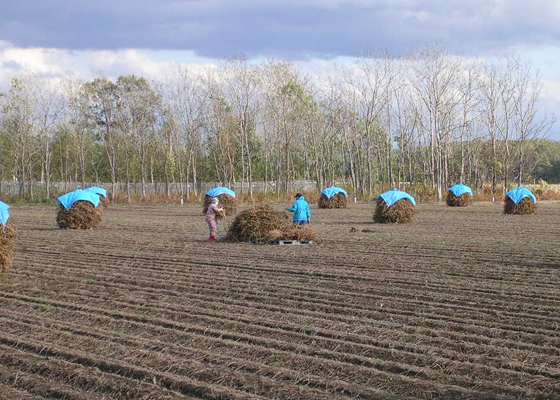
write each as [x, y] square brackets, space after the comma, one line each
[301, 210]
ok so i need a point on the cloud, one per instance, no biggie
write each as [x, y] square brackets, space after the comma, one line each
[52, 63]
[294, 29]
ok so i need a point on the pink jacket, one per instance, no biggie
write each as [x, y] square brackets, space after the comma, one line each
[212, 211]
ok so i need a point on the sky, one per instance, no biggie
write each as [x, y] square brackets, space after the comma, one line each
[53, 38]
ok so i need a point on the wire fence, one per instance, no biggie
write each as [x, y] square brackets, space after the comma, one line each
[13, 188]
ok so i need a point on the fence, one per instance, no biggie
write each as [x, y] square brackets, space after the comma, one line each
[13, 187]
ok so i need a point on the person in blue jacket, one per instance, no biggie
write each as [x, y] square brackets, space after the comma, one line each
[301, 210]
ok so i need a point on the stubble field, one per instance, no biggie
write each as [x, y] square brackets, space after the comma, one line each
[461, 304]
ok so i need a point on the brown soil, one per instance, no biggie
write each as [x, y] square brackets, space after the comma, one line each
[145, 308]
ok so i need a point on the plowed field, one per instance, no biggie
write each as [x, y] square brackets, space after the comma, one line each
[461, 304]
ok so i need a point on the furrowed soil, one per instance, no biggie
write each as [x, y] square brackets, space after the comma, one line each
[464, 303]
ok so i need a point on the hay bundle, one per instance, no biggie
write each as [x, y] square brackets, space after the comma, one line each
[256, 223]
[463, 200]
[303, 233]
[227, 202]
[103, 201]
[300, 233]
[525, 206]
[401, 212]
[82, 215]
[274, 235]
[220, 215]
[339, 200]
[8, 236]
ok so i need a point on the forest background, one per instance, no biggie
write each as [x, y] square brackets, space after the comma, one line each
[420, 122]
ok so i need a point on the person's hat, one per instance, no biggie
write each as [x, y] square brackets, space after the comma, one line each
[298, 195]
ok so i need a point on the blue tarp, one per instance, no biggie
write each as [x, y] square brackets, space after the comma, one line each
[460, 189]
[330, 192]
[97, 190]
[70, 198]
[519, 194]
[220, 190]
[392, 196]
[4, 214]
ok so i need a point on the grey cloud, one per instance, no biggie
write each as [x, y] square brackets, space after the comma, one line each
[295, 30]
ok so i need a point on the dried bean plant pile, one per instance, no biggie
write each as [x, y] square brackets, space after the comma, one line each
[82, 215]
[401, 212]
[463, 200]
[263, 224]
[339, 200]
[525, 207]
[227, 202]
[8, 236]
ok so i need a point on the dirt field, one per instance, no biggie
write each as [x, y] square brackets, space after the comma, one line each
[461, 304]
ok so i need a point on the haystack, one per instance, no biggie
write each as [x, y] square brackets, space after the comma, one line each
[256, 223]
[459, 196]
[102, 193]
[520, 201]
[463, 200]
[395, 206]
[8, 236]
[339, 200]
[303, 233]
[300, 233]
[227, 202]
[82, 215]
[103, 201]
[524, 207]
[399, 213]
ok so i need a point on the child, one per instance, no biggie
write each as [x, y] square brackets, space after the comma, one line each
[301, 210]
[213, 209]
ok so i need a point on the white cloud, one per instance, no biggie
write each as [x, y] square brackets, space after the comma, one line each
[58, 63]
[55, 64]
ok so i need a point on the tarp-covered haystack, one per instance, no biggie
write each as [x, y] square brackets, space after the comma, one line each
[102, 193]
[520, 201]
[79, 210]
[8, 235]
[333, 197]
[395, 206]
[459, 196]
[227, 201]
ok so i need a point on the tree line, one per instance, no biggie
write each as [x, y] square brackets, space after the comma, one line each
[427, 119]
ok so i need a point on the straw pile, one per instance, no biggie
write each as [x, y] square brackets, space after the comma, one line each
[103, 201]
[256, 223]
[401, 212]
[303, 233]
[525, 206]
[463, 200]
[8, 236]
[228, 203]
[82, 215]
[339, 200]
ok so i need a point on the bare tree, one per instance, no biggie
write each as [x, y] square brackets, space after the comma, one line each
[104, 106]
[527, 124]
[435, 80]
